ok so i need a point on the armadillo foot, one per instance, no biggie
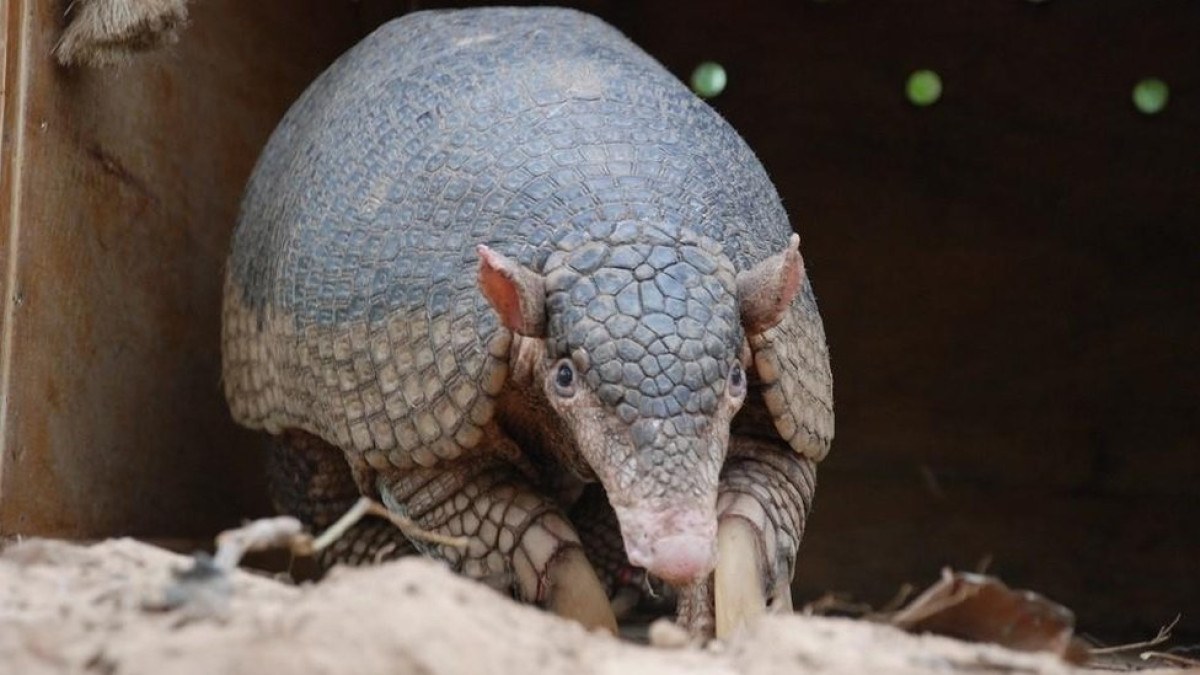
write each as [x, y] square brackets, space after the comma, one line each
[738, 596]
[516, 538]
[765, 495]
[694, 610]
[575, 591]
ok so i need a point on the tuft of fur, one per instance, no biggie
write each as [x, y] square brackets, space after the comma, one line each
[110, 32]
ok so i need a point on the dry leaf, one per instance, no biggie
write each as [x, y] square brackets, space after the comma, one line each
[981, 608]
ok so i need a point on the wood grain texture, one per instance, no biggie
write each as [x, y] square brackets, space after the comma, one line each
[120, 190]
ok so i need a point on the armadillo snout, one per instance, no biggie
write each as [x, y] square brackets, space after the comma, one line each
[676, 545]
[680, 559]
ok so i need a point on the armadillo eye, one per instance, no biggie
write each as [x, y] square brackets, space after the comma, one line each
[737, 381]
[564, 378]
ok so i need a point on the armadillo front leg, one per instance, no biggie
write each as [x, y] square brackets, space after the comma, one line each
[515, 536]
[765, 497]
[309, 479]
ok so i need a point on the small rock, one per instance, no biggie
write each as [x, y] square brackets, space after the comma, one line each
[668, 634]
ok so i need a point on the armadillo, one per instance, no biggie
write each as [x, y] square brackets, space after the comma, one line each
[503, 272]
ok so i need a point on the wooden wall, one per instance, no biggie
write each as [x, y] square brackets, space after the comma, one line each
[119, 192]
[1008, 278]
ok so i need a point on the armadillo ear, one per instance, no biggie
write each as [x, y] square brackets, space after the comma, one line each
[766, 290]
[517, 294]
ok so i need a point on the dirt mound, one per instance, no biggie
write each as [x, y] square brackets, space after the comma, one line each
[68, 608]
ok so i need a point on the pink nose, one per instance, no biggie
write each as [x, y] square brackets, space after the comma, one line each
[677, 545]
[679, 559]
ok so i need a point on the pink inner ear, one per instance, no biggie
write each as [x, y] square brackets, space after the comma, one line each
[496, 282]
[768, 289]
[793, 275]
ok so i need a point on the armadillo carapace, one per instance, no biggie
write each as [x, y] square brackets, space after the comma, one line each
[500, 270]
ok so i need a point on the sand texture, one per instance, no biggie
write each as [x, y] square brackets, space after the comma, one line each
[66, 608]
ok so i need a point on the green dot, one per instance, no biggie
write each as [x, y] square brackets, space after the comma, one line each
[708, 79]
[924, 87]
[1150, 95]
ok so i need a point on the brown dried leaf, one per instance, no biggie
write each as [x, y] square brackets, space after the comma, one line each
[981, 608]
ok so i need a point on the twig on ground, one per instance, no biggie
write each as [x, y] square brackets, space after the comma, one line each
[833, 602]
[257, 535]
[204, 589]
[369, 507]
[287, 532]
[1164, 634]
[1171, 658]
[891, 606]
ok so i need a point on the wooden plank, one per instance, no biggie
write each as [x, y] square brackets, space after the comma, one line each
[17, 16]
[120, 191]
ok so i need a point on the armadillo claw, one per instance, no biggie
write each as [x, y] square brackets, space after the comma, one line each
[739, 598]
[575, 591]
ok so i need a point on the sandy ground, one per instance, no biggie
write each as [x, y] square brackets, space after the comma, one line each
[72, 609]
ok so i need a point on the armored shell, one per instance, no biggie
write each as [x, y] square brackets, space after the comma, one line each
[352, 309]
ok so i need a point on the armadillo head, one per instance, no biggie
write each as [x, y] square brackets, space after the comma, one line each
[646, 352]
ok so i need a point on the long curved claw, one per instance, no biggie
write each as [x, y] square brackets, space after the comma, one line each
[738, 582]
[765, 497]
[576, 592]
[780, 601]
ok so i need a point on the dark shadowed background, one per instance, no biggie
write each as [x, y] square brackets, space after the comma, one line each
[1010, 278]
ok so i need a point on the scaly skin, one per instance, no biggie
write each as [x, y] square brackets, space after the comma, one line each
[771, 492]
[310, 480]
[509, 239]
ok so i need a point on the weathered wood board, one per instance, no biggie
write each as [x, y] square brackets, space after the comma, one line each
[119, 192]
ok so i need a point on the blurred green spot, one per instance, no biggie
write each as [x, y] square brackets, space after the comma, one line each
[1150, 95]
[924, 87]
[708, 79]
